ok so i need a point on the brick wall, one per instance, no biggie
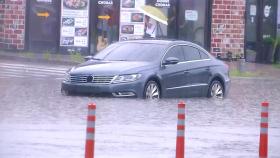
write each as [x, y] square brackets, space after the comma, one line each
[12, 24]
[228, 27]
[1, 23]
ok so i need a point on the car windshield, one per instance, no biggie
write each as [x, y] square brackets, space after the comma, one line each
[131, 52]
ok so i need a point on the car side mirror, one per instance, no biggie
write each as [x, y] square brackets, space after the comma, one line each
[170, 61]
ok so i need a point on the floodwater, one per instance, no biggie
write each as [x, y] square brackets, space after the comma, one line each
[37, 121]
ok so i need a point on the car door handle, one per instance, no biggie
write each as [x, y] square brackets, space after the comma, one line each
[207, 69]
[186, 72]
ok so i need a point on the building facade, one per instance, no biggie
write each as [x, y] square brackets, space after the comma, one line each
[238, 28]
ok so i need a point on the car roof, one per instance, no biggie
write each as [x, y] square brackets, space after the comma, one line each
[156, 41]
[162, 42]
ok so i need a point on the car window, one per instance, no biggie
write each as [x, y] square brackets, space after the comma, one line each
[203, 55]
[176, 52]
[133, 52]
[191, 53]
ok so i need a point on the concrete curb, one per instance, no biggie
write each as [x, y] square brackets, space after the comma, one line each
[39, 58]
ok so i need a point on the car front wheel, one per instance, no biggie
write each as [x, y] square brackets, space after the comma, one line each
[216, 90]
[65, 92]
[152, 90]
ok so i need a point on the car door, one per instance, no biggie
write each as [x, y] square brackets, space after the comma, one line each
[173, 76]
[197, 71]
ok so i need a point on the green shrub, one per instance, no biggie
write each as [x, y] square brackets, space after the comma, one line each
[47, 55]
[28, 54]
[237, 73]
[277, 65]
[77, 57]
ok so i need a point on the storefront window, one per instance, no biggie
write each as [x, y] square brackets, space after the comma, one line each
[145, 19]
[74, 31]
[261, 22]
[169, 10]
[148, 19]
[154, 27]
[131, 19]
[105, 22]
[192, 20]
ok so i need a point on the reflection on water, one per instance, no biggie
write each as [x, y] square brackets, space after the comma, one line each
[36, 121]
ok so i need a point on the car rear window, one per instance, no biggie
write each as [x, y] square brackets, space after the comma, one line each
[203, 55]
[191, 53]
[175, 52]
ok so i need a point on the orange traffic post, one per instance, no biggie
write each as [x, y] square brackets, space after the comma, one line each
[180, 142]
[264, 131]
[89, 149]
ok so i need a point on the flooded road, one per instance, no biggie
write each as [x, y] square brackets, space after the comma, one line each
[37, 121]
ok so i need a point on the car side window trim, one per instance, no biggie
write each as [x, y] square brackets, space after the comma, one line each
[170, 50]
[201, 52]
[188, 86]
[184, 61]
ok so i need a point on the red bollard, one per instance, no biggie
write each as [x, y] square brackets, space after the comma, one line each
[89, 149]
[180, 142]
[264, 131]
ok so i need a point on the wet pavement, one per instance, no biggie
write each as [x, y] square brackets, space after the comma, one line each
[37, 121]
[261, 70]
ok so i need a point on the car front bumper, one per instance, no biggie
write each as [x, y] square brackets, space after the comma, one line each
[131, 89]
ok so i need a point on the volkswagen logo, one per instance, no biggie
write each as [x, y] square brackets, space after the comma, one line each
[90, 78]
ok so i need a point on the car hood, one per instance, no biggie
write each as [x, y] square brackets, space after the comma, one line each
[110, 67]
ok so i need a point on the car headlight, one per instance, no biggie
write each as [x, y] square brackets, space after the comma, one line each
[67, 77]
[126, 78]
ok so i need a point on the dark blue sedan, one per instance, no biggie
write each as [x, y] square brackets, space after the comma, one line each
[150, 69]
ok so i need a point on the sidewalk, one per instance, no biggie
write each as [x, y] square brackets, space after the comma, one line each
[258, 70]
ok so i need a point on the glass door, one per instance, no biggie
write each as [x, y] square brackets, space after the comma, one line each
[43, 25]
[268, 30]
[104, 24]
[251, 42]
[261, 22]
[193, 24]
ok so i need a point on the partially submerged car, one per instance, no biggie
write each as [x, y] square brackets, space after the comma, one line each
[150, 69]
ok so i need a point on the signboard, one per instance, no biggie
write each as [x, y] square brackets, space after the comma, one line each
[105, 2]
[191, 15]
[162, 3]
[253, 10]
[131, 20]
[74, 31]
[43, 14]
[267, 11]
[44, 1]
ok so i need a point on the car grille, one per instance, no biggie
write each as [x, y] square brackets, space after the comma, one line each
[91, 79]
